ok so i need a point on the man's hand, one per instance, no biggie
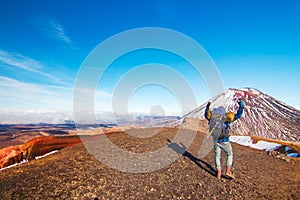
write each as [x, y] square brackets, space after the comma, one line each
[208, 104]
[241, 103]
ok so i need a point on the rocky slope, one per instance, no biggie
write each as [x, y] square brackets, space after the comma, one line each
[263, 115]
[73, 173]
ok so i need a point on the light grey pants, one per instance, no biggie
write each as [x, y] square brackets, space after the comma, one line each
[226, 147]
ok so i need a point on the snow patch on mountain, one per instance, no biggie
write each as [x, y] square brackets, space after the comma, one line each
[25, 161]
[13, 165]
[47, 154]
[261, 145]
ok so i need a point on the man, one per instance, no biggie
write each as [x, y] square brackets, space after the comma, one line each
[221, 141]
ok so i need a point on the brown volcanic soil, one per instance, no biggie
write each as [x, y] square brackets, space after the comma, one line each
[73, 173]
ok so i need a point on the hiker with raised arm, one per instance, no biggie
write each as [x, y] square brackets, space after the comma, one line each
[219, 123]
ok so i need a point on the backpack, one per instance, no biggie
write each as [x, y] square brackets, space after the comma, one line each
[216, 123]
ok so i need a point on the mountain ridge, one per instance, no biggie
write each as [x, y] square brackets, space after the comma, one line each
[263, 115]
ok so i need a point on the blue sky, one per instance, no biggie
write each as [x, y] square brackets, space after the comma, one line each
[43, 44]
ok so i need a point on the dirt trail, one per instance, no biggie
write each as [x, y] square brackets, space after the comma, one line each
[73, 173]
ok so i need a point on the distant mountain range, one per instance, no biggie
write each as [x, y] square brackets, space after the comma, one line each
[34, 117]
[103, 118]
[263, 115]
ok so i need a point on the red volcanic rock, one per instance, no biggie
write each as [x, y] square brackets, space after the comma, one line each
[42, 145]
[35, 147]
[10, 155]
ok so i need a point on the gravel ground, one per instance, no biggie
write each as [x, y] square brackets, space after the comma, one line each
[73, 173]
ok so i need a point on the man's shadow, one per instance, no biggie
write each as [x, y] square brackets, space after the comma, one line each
[181, 149]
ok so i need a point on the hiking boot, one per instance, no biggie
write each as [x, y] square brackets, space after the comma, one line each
[219, 173]
[229, 172]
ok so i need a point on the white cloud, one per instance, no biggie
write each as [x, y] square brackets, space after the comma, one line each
[18, 95]
[103, 101]
[52, 28]
[25, 63]
[25, 96]
[84, 96]
[58, 30]
[10, 83]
